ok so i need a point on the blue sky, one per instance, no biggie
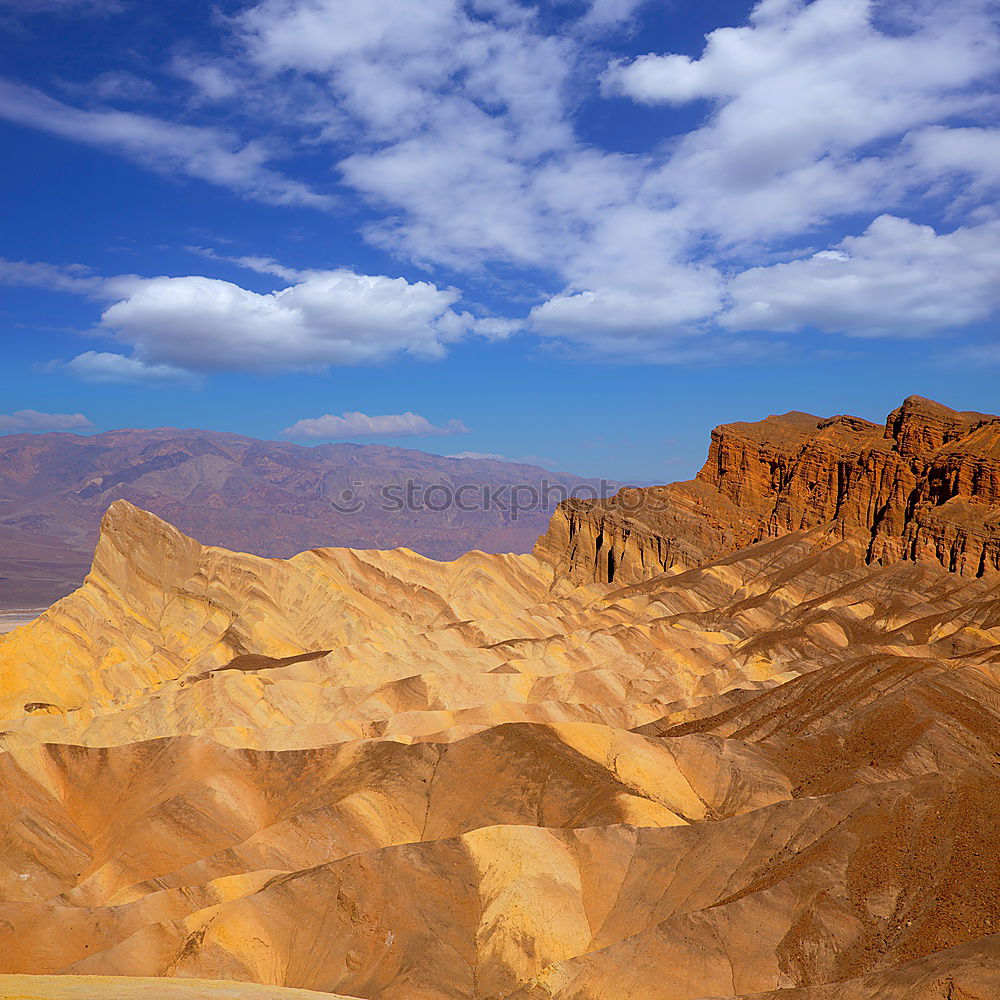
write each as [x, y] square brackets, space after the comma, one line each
[580, 231]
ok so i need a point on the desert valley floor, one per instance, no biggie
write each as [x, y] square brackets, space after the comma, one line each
[763, 763]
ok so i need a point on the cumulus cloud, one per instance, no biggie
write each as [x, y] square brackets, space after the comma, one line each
[897, 279]
[812, 111]
[455, 123]
[35, 422]
[327, 318]
[970, 154]
[104, 366]
[208, 154]
[676, 304]
[176, 326]
[354, 424]
[452, 111]
[797, 98]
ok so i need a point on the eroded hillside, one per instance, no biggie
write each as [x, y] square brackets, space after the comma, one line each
[379, 776]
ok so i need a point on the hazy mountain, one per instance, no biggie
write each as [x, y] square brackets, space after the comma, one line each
[266, 497]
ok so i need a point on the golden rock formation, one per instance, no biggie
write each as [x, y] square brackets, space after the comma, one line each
[373, 775]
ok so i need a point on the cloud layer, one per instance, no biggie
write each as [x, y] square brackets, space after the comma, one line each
[814, 112]
[354, 424]
[820, 139]
[35, 422]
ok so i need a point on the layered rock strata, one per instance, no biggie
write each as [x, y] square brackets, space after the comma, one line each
[923, 488]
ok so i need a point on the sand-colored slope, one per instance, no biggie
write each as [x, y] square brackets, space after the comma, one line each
[375, 775]
[413, 649]
[90, 826]
[121, 988]
[812, 890]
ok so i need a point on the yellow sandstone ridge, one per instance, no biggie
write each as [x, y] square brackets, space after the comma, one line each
[373, 775]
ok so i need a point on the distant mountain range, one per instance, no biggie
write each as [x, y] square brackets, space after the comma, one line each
[266, 497]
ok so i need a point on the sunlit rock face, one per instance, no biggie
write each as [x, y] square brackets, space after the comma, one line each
[371, 774]
[923, 488]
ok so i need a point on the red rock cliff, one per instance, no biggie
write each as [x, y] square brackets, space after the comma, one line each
[924, 487]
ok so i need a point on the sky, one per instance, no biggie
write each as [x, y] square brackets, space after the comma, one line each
[575, 232]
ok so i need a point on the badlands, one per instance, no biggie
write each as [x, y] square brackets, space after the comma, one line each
[734, 738]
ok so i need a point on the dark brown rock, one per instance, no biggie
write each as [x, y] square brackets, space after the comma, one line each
[926, 487]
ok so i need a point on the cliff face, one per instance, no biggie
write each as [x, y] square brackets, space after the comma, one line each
[925, 487]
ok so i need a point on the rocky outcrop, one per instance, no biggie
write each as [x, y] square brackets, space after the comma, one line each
[925, 487]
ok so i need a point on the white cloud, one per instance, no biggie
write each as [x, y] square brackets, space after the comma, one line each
[35, 422]
[211, 81]
[327, 318]
[361, 425]
[663, 309]
[451, 112]
[606, 13]
[176, 326]
[897, 279]
[480, 456]
[455, 122]
[209, 154]
[103, 366]
[813, 111]
[73, 278]
[798, 99]
[973, 154]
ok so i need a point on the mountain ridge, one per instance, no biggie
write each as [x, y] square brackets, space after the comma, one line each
[273, 498]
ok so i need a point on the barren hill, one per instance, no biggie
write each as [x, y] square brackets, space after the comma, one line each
[925, 488]
[267, 497]
[371, 774]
